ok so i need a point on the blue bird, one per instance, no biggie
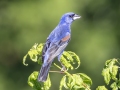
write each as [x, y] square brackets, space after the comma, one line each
[56, 43]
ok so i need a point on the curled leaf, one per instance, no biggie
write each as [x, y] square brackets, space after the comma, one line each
[33, 53]
[69, 58]
[63, 83]
[75, 58]
[33, 82]
[66, 63]
[24, 59]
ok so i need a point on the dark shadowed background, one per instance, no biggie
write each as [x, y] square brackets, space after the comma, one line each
[95, 37]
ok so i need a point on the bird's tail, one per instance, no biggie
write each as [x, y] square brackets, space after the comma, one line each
[44, 72]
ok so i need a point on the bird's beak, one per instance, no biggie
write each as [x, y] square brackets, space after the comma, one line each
[76, 17]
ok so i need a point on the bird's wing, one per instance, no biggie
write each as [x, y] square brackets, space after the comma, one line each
[52, 49]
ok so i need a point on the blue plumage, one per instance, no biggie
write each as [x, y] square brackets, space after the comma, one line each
[56, 43]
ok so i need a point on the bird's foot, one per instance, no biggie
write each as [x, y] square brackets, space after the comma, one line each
[63, 69]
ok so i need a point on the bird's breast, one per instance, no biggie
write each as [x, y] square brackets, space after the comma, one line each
[66, 38]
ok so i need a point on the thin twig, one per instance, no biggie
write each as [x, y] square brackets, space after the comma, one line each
[61, 68]
[57, 71]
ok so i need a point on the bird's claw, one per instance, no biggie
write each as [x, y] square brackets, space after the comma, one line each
[63, 69]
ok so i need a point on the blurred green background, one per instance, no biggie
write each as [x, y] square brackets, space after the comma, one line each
[95, 37]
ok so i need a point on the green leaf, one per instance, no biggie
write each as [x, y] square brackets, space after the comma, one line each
[76, 82]
[32, 81]
[110, 63]
[101, 88]
[24, 59]
[114, 72]
[110, 70]
[63, 83]
[69, 58]
[106, 75]
[65, 62]
[39, 48]
[86, 79]
[75, 58]
[114, 86]
[33, 53]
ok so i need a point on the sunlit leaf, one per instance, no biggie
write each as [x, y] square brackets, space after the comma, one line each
[86, 79]
[39, 48]
[69, 58]
[33, 82]
[106, 75]
[63, 83]
[114, 72]
[114, 86]
[24, 59]
[110, 70]
[65, 62]
[110, 63]
[75, 58]
[76, 82]
[34, 53]
[101, 88]
[71, 81]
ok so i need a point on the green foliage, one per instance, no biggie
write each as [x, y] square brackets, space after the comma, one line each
[33, 53]
[110, 72]
[68, 58]
[95, 37]
[77, 81]
[32, 81]
[69, 81]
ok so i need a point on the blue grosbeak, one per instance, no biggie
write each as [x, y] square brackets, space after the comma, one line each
[56, 43]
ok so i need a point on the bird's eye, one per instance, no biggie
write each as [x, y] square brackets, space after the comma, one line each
[71, 15]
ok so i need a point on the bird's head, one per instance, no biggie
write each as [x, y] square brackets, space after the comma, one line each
[69, 17]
